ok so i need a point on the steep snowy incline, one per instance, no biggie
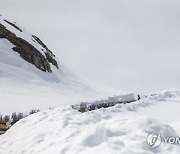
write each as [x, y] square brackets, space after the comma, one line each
[31, 77]
[29, 47]
[121, 129]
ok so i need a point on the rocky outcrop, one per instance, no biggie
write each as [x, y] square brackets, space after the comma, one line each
[49, 54]
[27, 51]
[13, 25]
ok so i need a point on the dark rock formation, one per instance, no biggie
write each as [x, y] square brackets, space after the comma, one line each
[27, 51]
[49, 54]
[13, 25]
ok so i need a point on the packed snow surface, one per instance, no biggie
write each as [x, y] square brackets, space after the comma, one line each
[121, 129]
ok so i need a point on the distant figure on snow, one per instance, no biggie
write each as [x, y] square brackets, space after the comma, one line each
[139, 97]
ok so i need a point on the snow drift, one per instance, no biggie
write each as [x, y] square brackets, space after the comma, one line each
[120, 129]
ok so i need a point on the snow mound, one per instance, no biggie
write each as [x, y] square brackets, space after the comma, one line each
[150, 100]
[110, 130]
[165, 94]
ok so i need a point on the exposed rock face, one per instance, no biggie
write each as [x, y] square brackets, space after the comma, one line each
[13, 25]
[27, 51]
[49, 54]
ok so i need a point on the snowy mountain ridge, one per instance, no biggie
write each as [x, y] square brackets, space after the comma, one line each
[31, 77]
[30, 47]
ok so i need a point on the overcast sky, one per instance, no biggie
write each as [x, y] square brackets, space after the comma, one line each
[131, 45]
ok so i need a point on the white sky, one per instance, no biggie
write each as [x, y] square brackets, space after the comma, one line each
[131, 45]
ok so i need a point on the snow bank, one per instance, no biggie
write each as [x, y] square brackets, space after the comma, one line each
[120, 98]
[151, 99]
[66, 131]
[111, 130]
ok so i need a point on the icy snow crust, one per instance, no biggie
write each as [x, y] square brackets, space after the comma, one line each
[118, 130]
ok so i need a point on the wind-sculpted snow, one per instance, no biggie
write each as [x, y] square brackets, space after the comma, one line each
[109, 130]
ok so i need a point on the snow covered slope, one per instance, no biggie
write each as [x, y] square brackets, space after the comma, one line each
[31, 77]
[121, 129]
